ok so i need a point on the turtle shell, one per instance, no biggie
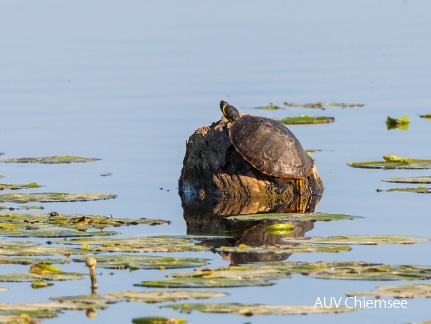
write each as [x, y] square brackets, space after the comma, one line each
[270, 147]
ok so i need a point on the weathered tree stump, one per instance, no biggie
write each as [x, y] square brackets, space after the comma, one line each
[241, 187]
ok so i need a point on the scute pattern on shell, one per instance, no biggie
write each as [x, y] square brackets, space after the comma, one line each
[270, 147]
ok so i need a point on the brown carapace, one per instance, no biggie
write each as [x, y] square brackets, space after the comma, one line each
[268, 146]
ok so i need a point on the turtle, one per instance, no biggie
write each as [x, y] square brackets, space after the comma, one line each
[268, 146]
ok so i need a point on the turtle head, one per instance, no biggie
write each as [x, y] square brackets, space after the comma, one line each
[229, 111]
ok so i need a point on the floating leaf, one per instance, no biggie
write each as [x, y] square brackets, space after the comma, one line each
[40, 284]
[329, 270]
[397, 122]
[35, 250]
[50, 160]
[26, 261]
[254, 309]
[322, 105]
[134, 262]
[52, 276]
[359, 239]
[148, 297]
[158, 320]
[52, 197]
[381, 272]
[4, 186]
[140, 244]
[306, 120]
[53, 233]
[204, 283]
[423, 179]
[398, 291]
[42, 310]
[393, 162]
[425, 116]
[76, 221]
[292, 217]
[270, 107]
[44, 269]
[278, 248]
[421, 189]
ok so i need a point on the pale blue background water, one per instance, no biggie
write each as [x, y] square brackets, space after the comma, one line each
[130, 81]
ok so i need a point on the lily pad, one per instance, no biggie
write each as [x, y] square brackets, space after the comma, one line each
[52, 197]
[40, 284]
[140, 244]
[306, 120]
[393, 162]
[26, 261]
[425, 116]
[53, 233]
[293, 217]
[76, 221]
[254, 309]
[135, 296]
[43, 310]
[330, 270]
[158, 320]
[423, 179]
[278, 248]
[322, 106]
[359, 239]
[4, 186]
[270, 107]
[204, 283]
[401, 123]
[52, 276]
[398, 291]
[135, 262]
[421, 189]
[50, 159]
[37, 250]
[380, 272]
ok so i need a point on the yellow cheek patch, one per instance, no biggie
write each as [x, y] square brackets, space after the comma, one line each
[224, 106]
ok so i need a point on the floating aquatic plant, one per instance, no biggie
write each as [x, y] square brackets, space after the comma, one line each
[393, 162]
[359, 239]
[420, 189]
[306, 120]
[293, 217]
[52, 197]
[423, 179]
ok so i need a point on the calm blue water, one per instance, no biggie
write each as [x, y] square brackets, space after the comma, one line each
[129, 82]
